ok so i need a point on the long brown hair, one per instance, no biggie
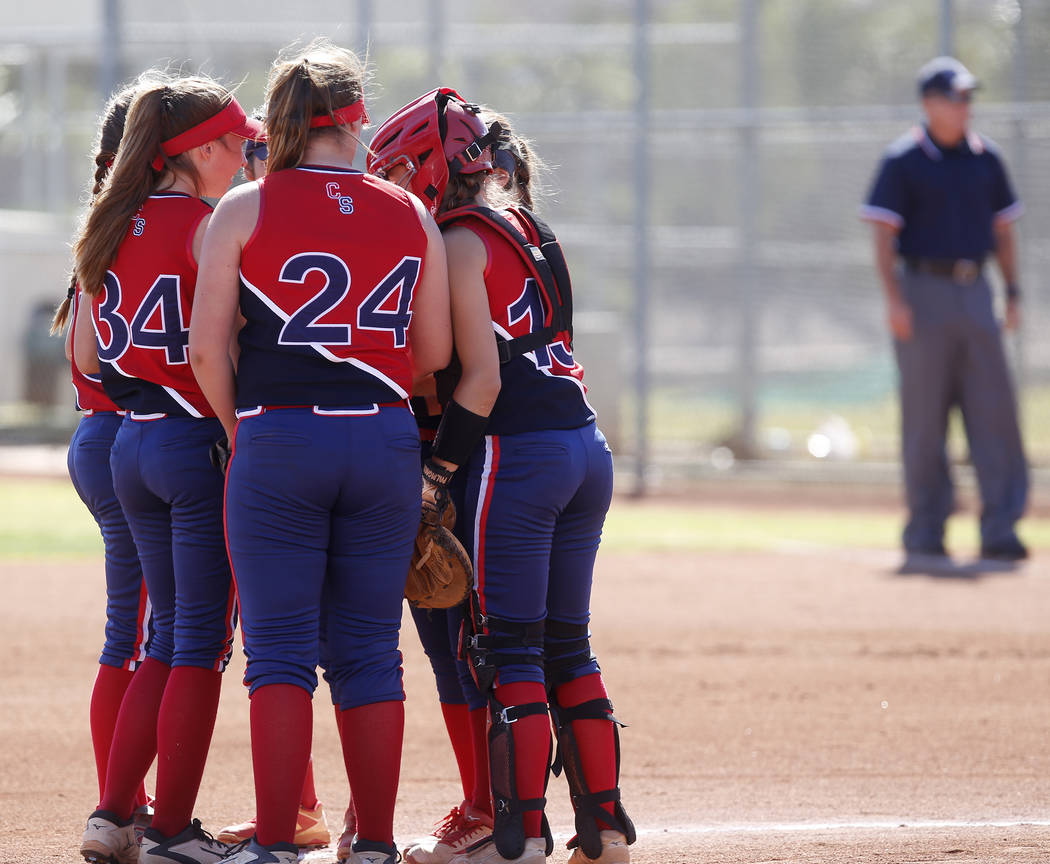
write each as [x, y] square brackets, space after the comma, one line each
[317, 81]
[159, 111]
[110, 131]
[462, 189]
[527, 164]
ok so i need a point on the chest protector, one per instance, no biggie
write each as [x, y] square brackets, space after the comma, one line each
[546, 264]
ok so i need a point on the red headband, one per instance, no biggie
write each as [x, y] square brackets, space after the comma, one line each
[230, 119]
[345, 115]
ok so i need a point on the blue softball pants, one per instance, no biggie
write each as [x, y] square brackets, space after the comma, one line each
[128, 619]
[534, 511]
[171, 495]
[324, 506]
[438, 631]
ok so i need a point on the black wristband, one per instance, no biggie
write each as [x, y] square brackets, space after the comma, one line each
[437, 475]
[1013, 291]
[458, 434]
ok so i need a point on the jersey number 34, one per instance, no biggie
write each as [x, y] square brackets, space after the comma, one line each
[172, 336]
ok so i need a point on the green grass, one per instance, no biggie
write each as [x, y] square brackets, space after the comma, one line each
[655, 526]
[44, 519]
[703, 419]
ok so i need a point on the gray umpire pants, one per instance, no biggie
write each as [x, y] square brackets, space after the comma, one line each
[955, 357]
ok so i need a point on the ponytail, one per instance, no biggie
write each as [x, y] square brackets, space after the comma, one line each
[61, 316]
[525, 162]
[132, 180]
[160, 110]
[110, 134]
[288, 116]
[317, 82]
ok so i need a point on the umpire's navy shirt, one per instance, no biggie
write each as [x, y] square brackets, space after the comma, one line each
[944, 200]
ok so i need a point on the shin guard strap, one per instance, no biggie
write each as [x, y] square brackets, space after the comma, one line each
[589, 813]
[508, 831]
[593, 709]
[517, 712]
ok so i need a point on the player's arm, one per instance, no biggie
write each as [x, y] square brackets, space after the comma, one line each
[472, 330]
[465, 417]
[430, 335]
[85, 347]
[216, 299]
[1006, 255]
[898, 310]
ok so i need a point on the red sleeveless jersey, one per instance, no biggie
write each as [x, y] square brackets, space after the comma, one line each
[142, 314]
[542, 389]
[327, 281]
[90, 396]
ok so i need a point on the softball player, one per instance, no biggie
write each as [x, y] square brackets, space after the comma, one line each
[538, 488]
[127, 602]
[255, 156]
[463, 706]
[341, 280]
[136, 257]
[311, 827]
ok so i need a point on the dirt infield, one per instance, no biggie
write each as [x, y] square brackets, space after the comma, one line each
[806, 705]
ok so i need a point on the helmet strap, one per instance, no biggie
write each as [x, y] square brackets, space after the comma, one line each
[474, 150]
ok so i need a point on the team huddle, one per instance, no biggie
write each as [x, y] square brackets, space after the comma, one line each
[266, 387]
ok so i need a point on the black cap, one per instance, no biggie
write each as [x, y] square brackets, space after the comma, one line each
[946, 76]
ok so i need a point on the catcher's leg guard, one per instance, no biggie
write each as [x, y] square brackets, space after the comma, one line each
[490, 643]
[568, 653]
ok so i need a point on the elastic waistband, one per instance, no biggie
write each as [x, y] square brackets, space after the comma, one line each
[102, 412]
[144, 417]
[964, 271]
[365, 410]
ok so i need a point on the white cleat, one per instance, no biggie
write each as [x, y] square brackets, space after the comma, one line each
[614, 851]
[487, 853]
[255, 853]
[367, 852]
[456, 833]
[192, 845]
[106, 841]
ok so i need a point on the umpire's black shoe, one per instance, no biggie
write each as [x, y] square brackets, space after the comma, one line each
[1006, 550]
[925, 559]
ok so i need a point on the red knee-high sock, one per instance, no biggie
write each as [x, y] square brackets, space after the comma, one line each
[481, 796]
[184, 728]
[457, 723]
[282, 726]
[106, 696]
[532, 737]
[308, 800]
[595, 738]
[372, 737]
[134, 737]
[350, 819]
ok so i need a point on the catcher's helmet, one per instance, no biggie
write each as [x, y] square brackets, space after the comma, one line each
[439, 123]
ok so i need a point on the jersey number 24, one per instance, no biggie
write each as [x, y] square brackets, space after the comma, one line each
[302, 327]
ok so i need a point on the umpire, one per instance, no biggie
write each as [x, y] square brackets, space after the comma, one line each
[941, 204]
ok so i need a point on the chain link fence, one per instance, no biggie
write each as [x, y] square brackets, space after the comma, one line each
[706, 161]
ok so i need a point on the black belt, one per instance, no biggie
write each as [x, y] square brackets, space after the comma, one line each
[963, 271]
